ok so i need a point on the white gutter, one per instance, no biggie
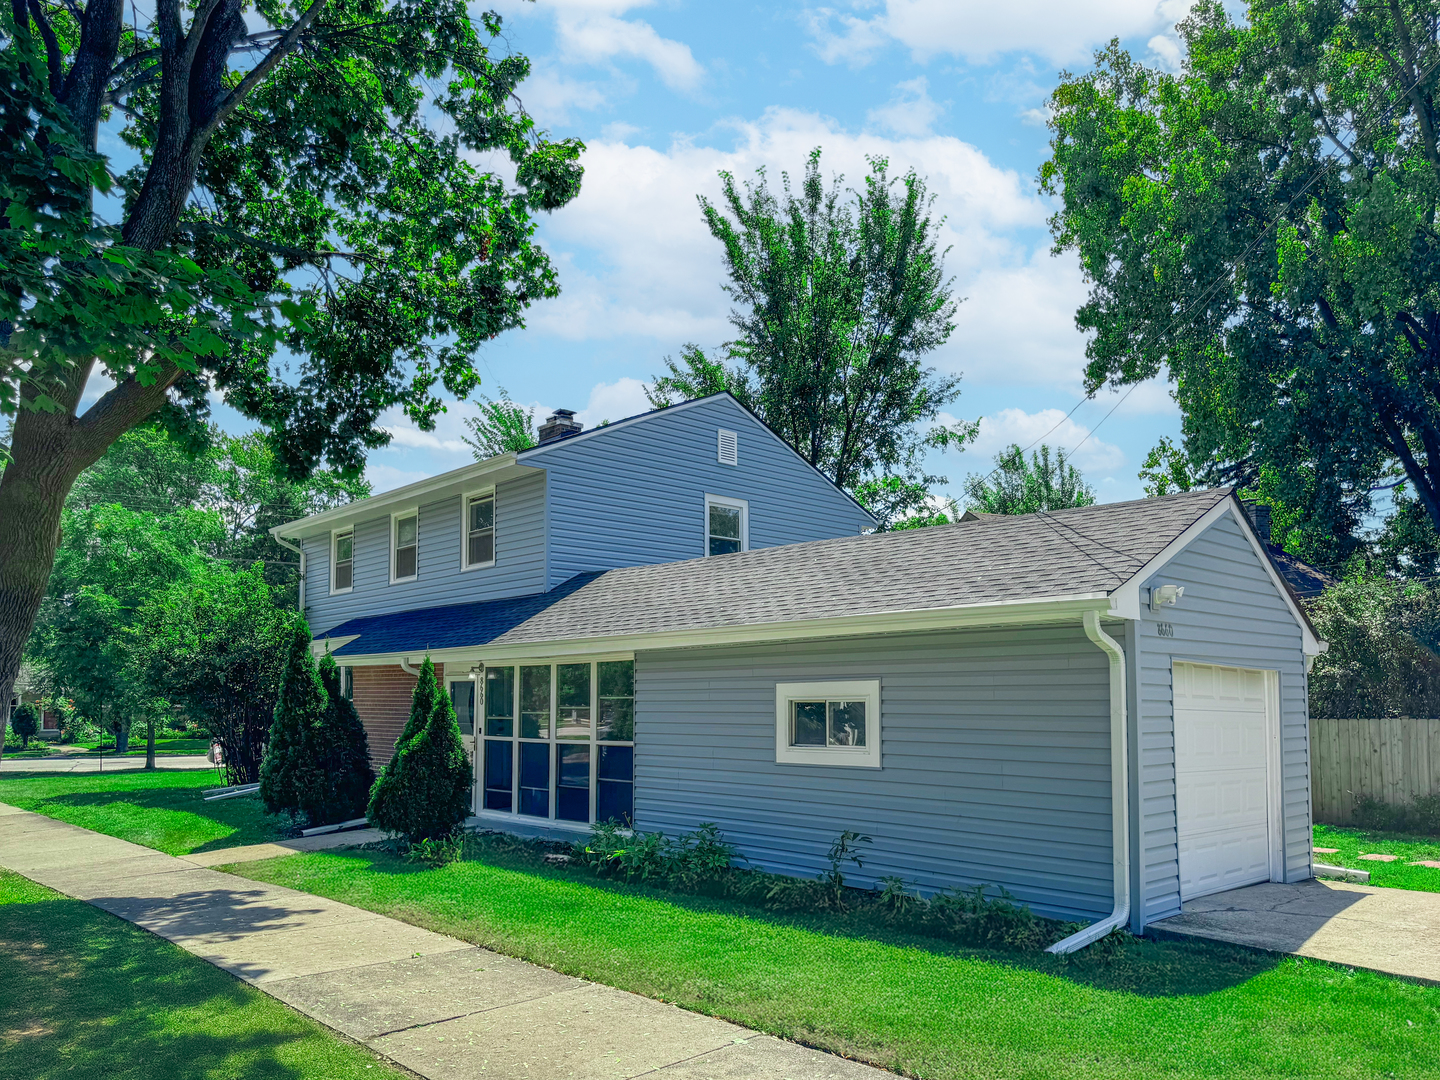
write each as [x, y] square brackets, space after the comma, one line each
[409, 668]
[301, 552]
[1119, 792]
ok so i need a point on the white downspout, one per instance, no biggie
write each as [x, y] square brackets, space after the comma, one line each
[408, 668]
[301, 552]
[1119, 793]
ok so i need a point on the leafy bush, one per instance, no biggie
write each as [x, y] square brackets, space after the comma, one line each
[25, 722]
[1420, 816]
[969, 915]
[437, 851]
[687, 862]
[424, 791]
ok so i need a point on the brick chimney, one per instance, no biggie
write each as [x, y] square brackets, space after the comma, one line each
[1260, 518]
[562, 423]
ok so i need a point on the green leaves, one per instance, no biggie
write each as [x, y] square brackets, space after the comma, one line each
[1016, 486]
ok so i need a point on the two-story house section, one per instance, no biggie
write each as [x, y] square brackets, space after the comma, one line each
[445, 561]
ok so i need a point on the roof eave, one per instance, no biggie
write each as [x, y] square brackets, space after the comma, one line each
[1037, 611]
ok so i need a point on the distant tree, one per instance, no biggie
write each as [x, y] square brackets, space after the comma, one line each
[423, 793]
[1167, 470]
[289, 772]
[1381, 661]
[502, 427]
[1016, 486]
[25, 722]
[215, 646]
[837, 301]
[897, 503]
[342, 754]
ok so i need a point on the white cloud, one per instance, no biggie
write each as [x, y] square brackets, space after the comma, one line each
[555, 98]
[981, 30]
[593, 32]
[1050, 427]
[635, 257]
[1165, 51]
[384, 477]
[911, 111]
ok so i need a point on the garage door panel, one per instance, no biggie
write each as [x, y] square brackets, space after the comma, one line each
[1221, 778]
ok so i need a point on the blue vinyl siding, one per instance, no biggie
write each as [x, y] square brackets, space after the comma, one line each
[518, 571]
[995, 760]
[1232, 615]
[636, 495]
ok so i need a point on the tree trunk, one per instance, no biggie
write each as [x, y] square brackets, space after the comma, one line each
[150, 743]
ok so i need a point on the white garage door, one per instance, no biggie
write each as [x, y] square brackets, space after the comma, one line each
[1221, 778]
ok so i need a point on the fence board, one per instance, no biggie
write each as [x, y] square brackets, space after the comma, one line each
[1392, 759]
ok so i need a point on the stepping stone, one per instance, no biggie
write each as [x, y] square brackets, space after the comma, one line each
[1327, 851]
[1378, 858]
[1432, 863]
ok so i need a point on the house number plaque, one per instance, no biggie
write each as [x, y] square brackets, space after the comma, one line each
[1165, 629]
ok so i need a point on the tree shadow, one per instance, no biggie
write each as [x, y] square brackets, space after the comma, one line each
[245, 817]
[88, 996]
[1141, 966]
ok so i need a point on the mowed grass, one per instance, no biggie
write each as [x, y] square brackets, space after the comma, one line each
[88, 995]
[171, 746]
[164, 810]
[1394, 875]
[913, 1004]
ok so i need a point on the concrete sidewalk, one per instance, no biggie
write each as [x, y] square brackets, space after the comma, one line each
[440, 1007]
[95, 763]
[1395, 931]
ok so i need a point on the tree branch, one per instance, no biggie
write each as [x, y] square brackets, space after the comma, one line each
[128, 403]
[52, 47]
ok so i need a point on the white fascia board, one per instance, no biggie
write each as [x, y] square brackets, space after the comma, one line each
[1040, 612]
[485, 473]
[1126, 599]
[320, 646]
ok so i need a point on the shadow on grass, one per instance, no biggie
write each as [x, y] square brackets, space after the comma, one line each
[244, 820]
[1140, 966]
[88, 996]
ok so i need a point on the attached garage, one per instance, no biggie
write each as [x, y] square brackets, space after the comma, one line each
[1224, 731]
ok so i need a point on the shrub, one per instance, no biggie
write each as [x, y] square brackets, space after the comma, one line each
[342, 755]
[1420, 816]
[688, 862]
[288, 774]
[25, 722]
[424, 791]
[438, 851]
[970, 916]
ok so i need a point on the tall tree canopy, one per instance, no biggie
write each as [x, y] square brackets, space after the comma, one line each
[1262, 227]
[1017, 486]
[297, 224]
[837, 301]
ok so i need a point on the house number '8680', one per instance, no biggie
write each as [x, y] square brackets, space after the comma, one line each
[1165, 629]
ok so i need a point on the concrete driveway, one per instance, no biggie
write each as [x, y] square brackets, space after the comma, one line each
[1396, 931]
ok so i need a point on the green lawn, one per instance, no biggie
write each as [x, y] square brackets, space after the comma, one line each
[1395, 875]
[163, 810]
[911, 1003]
[88, 995]
[176, 745]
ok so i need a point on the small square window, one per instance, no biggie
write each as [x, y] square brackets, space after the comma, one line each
[727, 525]
[828, 723]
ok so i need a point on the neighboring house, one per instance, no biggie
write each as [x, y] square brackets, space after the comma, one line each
[1307, 581]
[1102, 710]
[49, 719]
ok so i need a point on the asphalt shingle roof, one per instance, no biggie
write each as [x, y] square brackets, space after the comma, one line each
[1092, 549]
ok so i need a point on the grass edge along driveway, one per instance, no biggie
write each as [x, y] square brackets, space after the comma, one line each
[89, 995]
[1353, 842]
[912, 1004]
[164, 810]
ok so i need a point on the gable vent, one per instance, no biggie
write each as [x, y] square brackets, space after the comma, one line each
[729, 448]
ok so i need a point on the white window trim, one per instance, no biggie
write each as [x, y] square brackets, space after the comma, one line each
[738, 504]
[334, 543]
[465, 564]
[395, 518]
[865, 757]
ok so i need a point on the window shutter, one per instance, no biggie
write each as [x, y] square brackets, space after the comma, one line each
[729, 448]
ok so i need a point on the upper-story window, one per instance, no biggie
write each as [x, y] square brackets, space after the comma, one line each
[727, 525]
[342, 561]
[479, 531]
[405, 545]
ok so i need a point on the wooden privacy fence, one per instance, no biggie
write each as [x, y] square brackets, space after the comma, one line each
[1392, 759]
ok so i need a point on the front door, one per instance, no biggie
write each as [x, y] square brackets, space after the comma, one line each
[1222, 777]
[463, 694]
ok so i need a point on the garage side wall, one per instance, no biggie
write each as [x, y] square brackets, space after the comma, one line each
[1231, 614]
[994, 768]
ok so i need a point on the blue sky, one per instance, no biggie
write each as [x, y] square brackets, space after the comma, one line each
[667, 93]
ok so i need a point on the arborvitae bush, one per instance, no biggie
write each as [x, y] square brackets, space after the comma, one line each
[424, 792]
[25, 722]
[342, 755]
[288, 775]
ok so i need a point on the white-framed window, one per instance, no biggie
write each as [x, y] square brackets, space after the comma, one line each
[727, 525]
[828, 723]
[404, 546]
[727, 448]
[558, 740]
[342, 561]
[347, 682]
[477, 530]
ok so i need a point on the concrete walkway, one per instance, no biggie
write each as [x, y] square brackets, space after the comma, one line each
[93, 763]
[440, 1007]
[1396, 931]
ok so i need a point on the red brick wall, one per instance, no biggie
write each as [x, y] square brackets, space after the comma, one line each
[382, 698]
